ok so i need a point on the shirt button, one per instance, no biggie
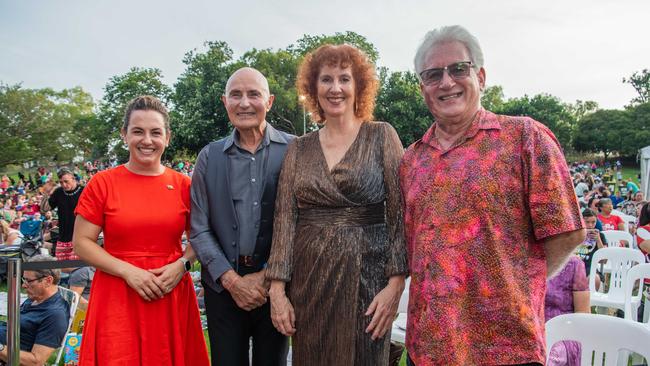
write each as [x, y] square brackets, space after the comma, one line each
[234, 227]
[255, 203]
[234, 243]
[253, 159]
[257, 226]
[253, 180]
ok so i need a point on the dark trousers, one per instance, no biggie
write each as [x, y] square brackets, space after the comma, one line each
[231, 327]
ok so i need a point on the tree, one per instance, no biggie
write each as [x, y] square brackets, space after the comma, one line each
[119, 90]
[309, 43]
[602, 132]
[38, 123]
[400, 103]
[546, 109]
[640, 81]
[199, 116]
[492, 98]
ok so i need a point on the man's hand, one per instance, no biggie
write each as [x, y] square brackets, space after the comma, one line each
[248, 291]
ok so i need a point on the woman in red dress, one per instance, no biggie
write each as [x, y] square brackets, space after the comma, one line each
[142, 308]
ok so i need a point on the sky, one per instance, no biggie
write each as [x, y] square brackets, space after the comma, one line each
[572, 49]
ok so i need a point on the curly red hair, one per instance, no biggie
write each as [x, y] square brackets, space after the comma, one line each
[344, 55]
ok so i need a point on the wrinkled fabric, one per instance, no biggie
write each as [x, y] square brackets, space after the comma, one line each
[338, 237]
[476, 217]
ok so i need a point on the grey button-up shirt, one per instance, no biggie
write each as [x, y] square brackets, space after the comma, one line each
[247, 172]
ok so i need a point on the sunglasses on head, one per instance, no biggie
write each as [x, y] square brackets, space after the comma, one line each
[456, 71]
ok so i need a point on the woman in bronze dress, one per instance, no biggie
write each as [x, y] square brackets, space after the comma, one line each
[338, 242]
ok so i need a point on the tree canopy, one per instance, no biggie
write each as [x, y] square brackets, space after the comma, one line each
[60, 125]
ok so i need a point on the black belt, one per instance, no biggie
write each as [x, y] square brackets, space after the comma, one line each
[246, 261]
[343, 216]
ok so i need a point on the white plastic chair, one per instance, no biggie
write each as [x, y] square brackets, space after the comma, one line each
[636, 273]
[404, 300]
[398, 333]
[614, 238]
[605, 336]
[620, 260]
[72, 298]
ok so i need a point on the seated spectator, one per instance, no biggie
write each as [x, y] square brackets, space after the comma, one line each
[643, 240]
[15, 223]
[8, 235]
[631, 186]
[638, 196]
[594, 240]
[617, 198]
[581, 188]
[31, 207]
[44, 316]
[80, 280]
[567, 292]
[609, 221]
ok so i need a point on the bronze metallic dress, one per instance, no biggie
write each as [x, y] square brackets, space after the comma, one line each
[338, 237]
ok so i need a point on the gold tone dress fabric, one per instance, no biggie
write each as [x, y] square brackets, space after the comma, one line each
[338, 237]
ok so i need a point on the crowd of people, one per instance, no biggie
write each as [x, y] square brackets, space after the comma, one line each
[312, 237]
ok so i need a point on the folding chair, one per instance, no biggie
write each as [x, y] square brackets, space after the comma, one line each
[620, 260]
[608, 339]
[71, 298]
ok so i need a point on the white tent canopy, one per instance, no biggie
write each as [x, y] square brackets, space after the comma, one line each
[644, 157]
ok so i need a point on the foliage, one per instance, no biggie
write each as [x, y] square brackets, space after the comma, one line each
[601, 131]
[309, 43]
[199, 116]
[546, 109]
[492, 98]
[640, 81]
[119, 90]
[401, 104]
[621, 132]
[39, 123]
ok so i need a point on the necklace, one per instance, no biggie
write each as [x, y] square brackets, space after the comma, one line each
[70, 194]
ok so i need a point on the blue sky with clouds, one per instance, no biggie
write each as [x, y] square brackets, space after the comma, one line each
[577, 49]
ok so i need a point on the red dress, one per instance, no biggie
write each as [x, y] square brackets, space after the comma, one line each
[143, 218]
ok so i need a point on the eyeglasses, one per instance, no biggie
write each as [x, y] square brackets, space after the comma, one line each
[456, 71]
[29, 282]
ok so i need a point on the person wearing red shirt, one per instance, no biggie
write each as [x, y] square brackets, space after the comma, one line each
[479, 261]
[609, 221]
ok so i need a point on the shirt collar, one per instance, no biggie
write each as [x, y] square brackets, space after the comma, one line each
[484, 120]
[270, 135]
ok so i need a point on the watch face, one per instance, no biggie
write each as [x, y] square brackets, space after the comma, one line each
[188, 266]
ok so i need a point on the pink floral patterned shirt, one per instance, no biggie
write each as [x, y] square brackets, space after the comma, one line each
[476, 216]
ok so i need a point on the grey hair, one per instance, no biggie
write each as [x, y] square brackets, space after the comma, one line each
[451, 33]
[55, 272]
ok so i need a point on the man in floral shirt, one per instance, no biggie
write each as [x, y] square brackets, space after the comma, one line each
[479, 260]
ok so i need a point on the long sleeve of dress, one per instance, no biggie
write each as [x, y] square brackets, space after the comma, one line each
[392, 154]
[280, 263]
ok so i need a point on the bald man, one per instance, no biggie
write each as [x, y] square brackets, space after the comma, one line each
[233, 201]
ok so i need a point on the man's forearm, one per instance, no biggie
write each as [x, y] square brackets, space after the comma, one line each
[558, 248]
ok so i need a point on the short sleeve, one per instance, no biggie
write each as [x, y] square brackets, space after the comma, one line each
[52, 330]
[580, 282]
[552, 200]
[93, 201]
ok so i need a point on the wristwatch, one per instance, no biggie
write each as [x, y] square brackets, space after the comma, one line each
[186, 263]
[2, 347]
